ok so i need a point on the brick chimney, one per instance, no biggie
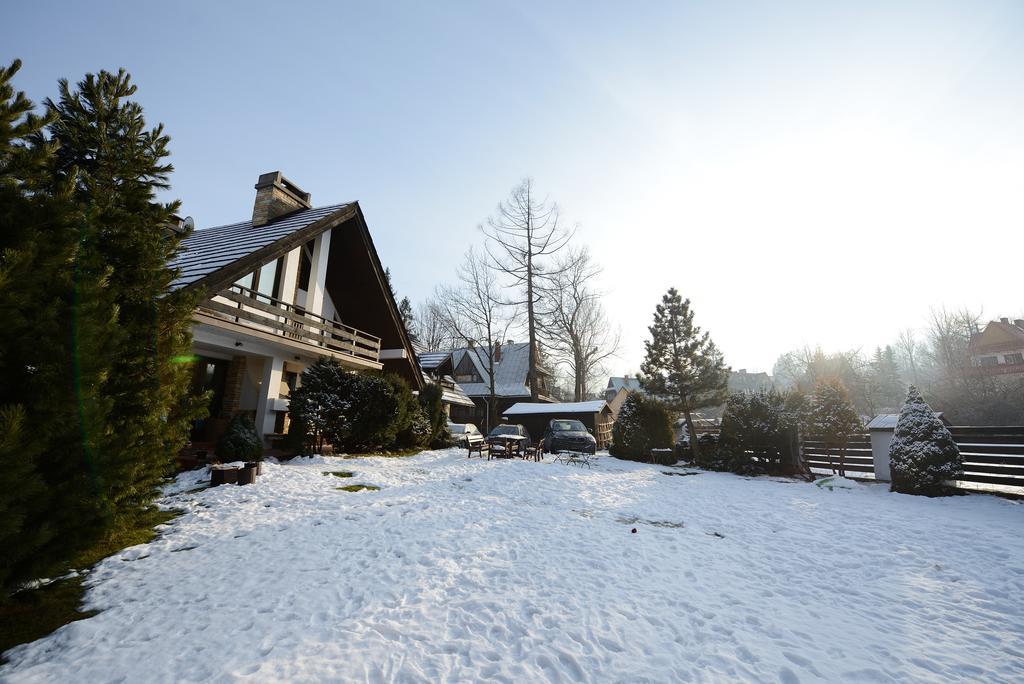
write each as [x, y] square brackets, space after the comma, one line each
[277, 196]
[497, 351]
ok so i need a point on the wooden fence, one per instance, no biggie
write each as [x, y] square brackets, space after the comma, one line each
[857, 460]
[993, 457]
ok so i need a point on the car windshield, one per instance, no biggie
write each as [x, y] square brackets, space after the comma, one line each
[505, 430]
[567, 426]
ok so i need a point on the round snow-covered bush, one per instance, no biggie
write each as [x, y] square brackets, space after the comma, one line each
[642, 424]
[922, 455]
[757, 433]
[240, 442]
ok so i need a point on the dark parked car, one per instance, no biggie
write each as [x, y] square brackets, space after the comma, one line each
[494, 437]
[568, 435]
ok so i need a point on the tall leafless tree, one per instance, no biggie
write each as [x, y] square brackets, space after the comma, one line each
[473, 311]
[523, 233]
[432, 328]
[574, 326]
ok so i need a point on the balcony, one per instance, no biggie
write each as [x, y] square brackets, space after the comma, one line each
[259, 312]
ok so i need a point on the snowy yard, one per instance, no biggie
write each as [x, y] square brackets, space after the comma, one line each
[461, 570]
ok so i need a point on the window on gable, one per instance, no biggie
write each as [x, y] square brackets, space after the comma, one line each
[1014, 359]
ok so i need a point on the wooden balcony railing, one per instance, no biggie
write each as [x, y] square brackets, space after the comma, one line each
[262, 312]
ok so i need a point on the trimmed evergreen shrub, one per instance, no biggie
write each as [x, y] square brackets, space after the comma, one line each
[240, 442]
[758, 433]
[707, 455]
[642, 424]
[923, 455]
[355, 411]
[831, 417]
[431, 399]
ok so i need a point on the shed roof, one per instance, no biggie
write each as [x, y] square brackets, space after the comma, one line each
[887, 421]
[525, 408]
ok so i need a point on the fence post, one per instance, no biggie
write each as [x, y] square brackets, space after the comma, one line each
[881, 438]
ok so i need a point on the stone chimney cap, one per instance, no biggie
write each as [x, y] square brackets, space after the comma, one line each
[277, 179]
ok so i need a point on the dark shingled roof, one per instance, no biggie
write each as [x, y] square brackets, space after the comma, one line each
[211, 249]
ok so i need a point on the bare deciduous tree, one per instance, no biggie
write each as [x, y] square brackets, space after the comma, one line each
[473, 311]
[523, 232]
[432, 329]
[574, 325]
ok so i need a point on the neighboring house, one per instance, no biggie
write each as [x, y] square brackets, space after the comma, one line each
[742, 381]
[437, 367]
[595, 416]
[630, 383]
[999, 348]
[468, 368]
[279, 291]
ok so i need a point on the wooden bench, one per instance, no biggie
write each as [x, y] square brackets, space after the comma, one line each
[477, 444]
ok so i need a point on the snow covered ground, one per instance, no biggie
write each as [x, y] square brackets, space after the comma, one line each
[461, 570]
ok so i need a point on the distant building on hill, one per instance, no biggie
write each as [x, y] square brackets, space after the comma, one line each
[999, 348]
[742, 381]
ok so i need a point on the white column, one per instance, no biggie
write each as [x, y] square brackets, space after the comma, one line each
[290, 275]
[881, 438]
[318, 274]
[270, 387]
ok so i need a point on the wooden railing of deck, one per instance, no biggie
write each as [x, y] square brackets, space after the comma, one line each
[262, 312]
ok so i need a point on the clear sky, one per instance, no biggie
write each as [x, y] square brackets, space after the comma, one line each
[805, 172]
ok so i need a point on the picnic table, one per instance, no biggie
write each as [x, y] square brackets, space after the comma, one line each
[510, 443]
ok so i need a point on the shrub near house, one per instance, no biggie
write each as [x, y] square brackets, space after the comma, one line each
[355, 411]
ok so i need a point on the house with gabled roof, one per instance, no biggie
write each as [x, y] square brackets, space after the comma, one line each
[277, 292]
[436, 368]
[468, 367]
[999, 348]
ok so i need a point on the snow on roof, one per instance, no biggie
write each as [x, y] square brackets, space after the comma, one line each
[509, 374]
[431, 360]
[631, 383]
[887, 421]
[525, 408]
[208, 250]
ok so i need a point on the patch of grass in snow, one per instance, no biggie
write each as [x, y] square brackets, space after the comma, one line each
[359, 488]
[30, 615]
[34, 613]
[339, 473]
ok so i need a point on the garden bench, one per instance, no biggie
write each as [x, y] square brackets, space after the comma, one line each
[477, 444]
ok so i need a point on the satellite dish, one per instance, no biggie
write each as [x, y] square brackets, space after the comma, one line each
[188, 224]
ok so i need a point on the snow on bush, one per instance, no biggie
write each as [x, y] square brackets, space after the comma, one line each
[923, 455]
[240, 442]
[643, 424]
[758, 434]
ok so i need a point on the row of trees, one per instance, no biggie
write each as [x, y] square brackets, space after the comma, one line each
[94, 403]
[937, 362]
[530, 277]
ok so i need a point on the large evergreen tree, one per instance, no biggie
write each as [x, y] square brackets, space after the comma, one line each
[922, 455]
[53, 356]
[117, 165]
[682, 365]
